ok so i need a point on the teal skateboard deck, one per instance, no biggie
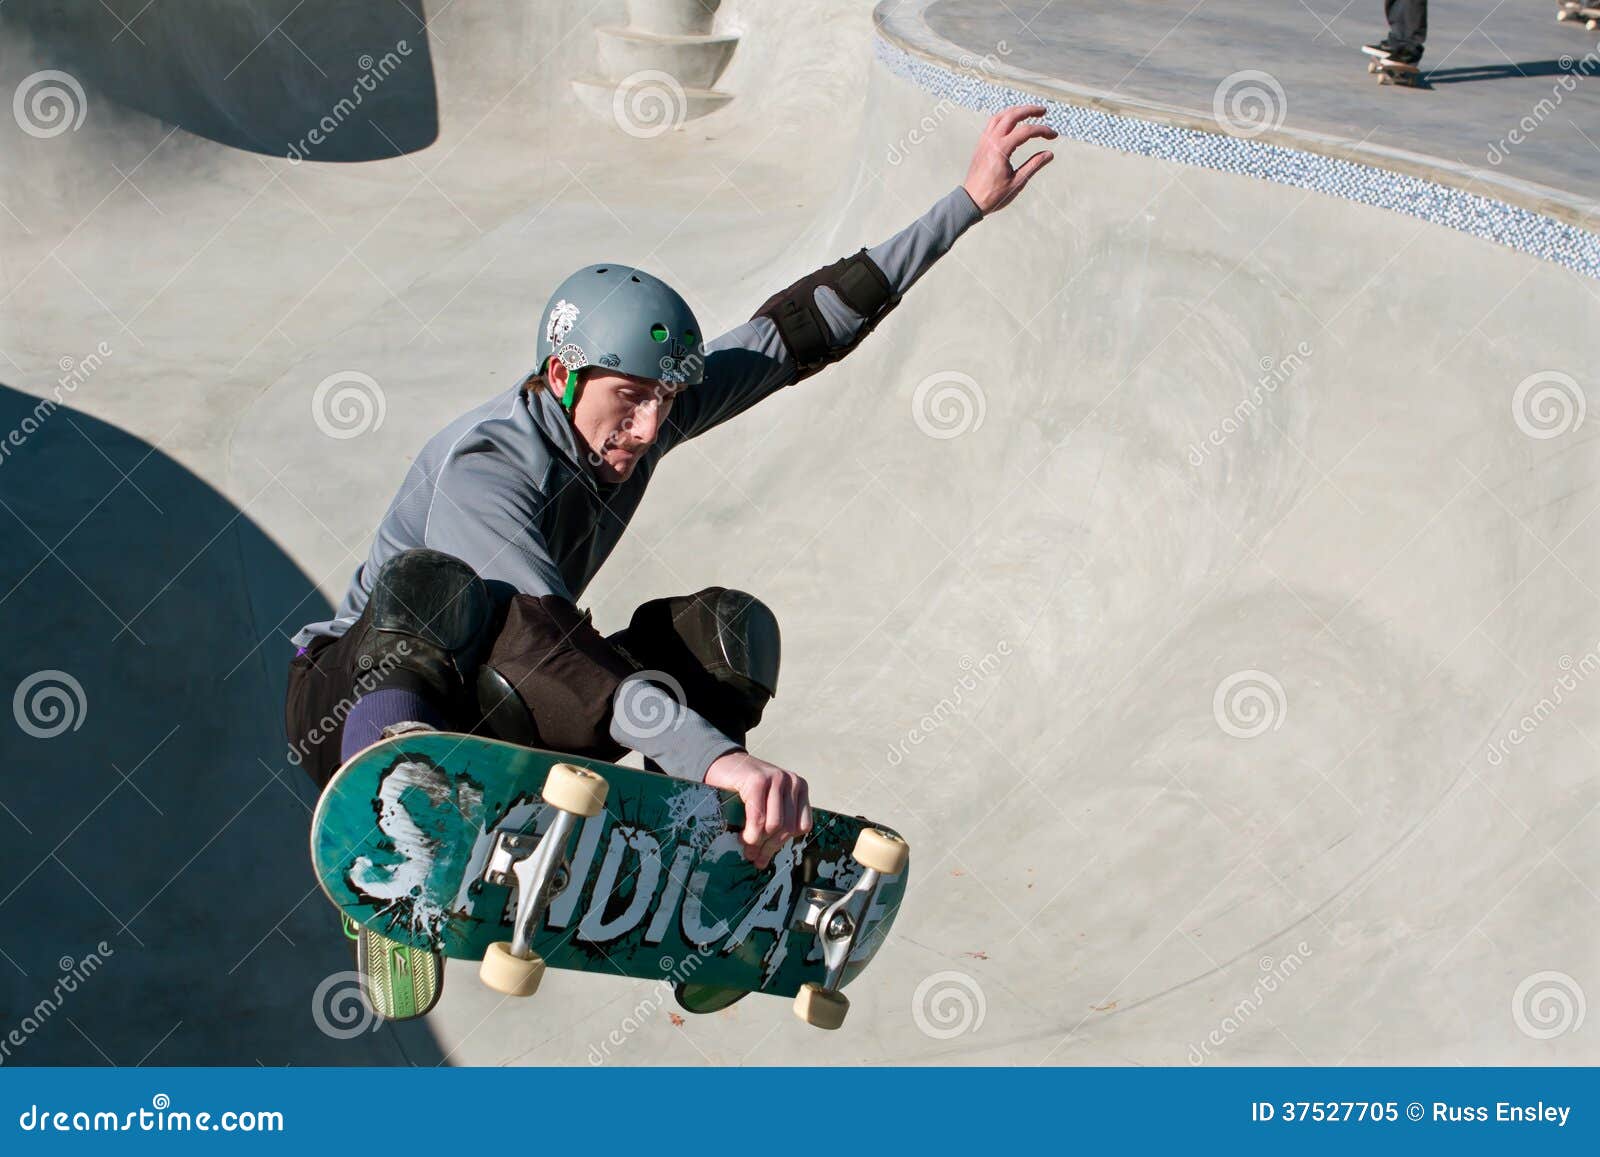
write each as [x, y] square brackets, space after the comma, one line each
[407, 836]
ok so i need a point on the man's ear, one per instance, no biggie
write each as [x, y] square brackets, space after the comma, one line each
[566, 390]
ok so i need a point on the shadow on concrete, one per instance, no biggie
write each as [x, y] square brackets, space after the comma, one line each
[1496, 72]
[155, 886]
[351, 81]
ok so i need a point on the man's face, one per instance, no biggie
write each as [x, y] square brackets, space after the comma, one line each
[618, 417]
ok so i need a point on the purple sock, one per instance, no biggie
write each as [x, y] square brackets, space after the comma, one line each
[379, 709]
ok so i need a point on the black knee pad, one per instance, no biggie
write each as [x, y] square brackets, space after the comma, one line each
[428, 623]
[726, 641]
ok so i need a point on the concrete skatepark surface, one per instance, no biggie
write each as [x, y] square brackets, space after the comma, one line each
[1487, 65]
[1199, 569]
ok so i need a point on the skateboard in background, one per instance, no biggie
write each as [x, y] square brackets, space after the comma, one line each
[1586, 14]
[1391, 71]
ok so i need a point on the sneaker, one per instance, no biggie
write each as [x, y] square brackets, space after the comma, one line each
[398, 981]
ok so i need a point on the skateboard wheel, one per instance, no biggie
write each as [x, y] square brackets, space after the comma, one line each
[510, 974]
[820, 1007]
[576, 790]
[881, 852]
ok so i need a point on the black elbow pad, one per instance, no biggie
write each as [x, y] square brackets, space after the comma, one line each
[859, 283]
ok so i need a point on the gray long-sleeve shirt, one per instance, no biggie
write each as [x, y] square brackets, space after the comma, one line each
[506, 489]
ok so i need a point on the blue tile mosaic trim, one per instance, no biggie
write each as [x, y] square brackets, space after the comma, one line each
[1510, 225]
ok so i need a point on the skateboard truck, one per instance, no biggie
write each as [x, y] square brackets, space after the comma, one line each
[536, 866]
[514, 862]
[511, 848]
[837, 918]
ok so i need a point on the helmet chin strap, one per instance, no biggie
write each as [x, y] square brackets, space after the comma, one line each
[570, 395]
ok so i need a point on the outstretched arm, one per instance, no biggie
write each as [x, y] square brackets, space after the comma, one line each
[823, 316]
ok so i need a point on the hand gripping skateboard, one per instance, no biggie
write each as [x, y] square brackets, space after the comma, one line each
[526, 859]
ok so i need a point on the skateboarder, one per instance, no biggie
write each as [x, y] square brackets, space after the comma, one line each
[464, 615]
[1408, 28]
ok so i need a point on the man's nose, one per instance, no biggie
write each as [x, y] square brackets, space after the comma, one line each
[646, 423]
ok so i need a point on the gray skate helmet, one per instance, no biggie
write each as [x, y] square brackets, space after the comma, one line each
[619, 318]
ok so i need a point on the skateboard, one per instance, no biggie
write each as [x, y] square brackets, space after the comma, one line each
[1394, 72]
[1590, 16]
[527, 859]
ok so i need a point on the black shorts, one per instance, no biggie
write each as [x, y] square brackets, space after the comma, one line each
[326, 680]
